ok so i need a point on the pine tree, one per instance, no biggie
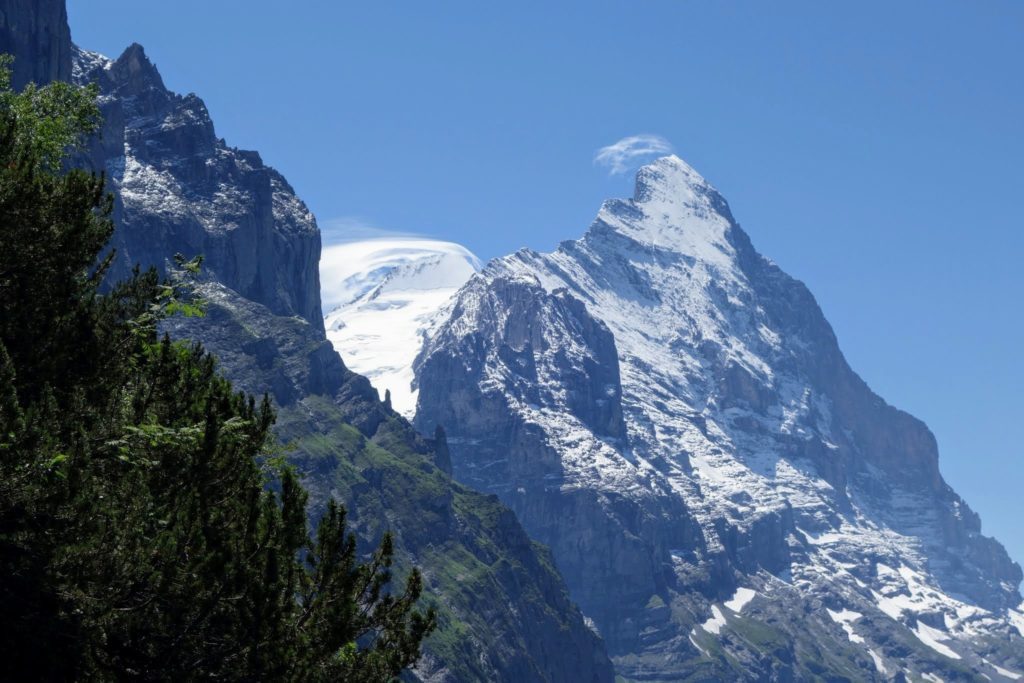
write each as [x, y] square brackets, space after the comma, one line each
[140, 535]
[442, 456]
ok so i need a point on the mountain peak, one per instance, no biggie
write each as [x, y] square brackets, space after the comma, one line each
[671, 180]
[138, 66]
[673, 208]
[703, 392]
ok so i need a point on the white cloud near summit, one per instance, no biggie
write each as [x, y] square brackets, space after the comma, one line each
[356, 229]
[621, 156]
[350, 267]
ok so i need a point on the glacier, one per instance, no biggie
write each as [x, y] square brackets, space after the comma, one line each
[381, 295]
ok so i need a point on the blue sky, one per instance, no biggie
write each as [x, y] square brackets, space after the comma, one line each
[874, 150]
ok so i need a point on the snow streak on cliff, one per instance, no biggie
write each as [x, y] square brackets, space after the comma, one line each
[671, 413]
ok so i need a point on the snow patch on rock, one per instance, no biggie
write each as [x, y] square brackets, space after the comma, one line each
[716, 622]
[845, 618]
[935, 639]
[1006, 673]
[740, 599]
[879, 662]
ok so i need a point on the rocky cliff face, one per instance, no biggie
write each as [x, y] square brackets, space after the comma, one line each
[36, 33]
[182, 190]
[505, 611]
[671, 414]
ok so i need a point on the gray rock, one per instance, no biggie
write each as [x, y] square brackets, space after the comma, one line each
[180, 189]
[36, 32]
[733, 447]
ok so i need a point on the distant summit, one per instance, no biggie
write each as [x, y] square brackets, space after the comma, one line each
[387, 290]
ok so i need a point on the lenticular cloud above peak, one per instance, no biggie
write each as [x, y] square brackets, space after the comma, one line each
[627, 153]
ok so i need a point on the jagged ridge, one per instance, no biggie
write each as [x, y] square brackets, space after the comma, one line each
[751, 455]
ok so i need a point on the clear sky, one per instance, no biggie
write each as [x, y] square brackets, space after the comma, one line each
[874, 150]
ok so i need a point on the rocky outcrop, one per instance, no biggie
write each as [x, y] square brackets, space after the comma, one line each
[284, 357]
[36, 33]
[181, 189]
[494, 389]
[515, 357]
[751, 460]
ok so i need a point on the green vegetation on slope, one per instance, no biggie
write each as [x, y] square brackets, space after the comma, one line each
[138, 536]
[469, 546]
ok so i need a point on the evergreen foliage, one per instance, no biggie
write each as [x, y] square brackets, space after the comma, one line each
[147, 528]
[443, 456]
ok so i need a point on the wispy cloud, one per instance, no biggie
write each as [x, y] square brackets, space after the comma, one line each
[355, 229]
[621, 156]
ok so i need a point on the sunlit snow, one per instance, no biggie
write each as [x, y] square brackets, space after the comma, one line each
[384, 293]
[846, 618]
[716, 622]
[935, 639]
[741, 599]
[879, 663]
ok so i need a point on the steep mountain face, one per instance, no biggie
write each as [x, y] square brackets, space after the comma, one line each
[504, 610]
[182, 190]
[37, 33]
[672, 415]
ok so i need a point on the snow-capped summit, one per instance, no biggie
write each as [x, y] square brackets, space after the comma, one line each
[673, 208]
[671, 414]
[432, 271]
[349, 270]
[382, 293]
[670, 180]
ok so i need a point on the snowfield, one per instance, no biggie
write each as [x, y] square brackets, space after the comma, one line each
[381, 294]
